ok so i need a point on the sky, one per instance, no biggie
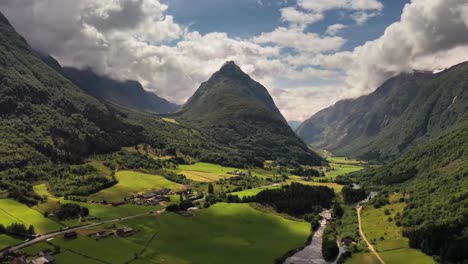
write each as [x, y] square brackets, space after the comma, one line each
[308, 53]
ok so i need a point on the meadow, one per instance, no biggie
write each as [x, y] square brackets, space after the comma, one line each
[387, 237]
[132, 183]
[6, 241]
[12, 211]
[254, 191]
[233, 233]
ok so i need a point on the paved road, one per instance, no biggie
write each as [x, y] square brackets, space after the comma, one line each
[364, 236]
[54, 234]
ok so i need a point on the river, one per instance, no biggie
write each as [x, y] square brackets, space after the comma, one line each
[312, 254]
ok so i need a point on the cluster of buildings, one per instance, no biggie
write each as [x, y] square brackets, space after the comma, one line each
[154, 197]
[239, 173]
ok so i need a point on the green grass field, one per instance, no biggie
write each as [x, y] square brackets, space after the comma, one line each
[363, 258]
[131, 182]
[207, 167]
[227, 233]
[394, 247]
[12, 211]
[254, 191]
[6, 241]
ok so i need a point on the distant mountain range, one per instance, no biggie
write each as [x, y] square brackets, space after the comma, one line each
[294, 124]
[239, 112]
[129, 94]
[406, 110]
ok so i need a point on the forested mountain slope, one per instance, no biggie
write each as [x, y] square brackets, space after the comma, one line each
[49, 128]
[239, 112]
[434, 178]
[404, 111]
[43, 115]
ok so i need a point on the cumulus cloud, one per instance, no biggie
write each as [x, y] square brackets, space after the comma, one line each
[298, 18]
[138, 39]
[133, 39]
[301, 41]
[428, 31]
[325, 5]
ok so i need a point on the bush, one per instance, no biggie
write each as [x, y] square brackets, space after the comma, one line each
[172, 208]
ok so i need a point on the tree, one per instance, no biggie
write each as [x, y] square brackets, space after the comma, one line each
[338, 210]
[210, 188]
[31, 230]
[84, 212]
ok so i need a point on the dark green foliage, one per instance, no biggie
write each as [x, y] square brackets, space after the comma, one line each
[435, 218]
[379, 201]
[306, 172]
[406, 110]
[313, 219]
[172, 208]
[210, 188]
[237, 111]
[338, 211]
[17, 229]
[351, 195]
[69, 211]
[297, 199]
[134, 160]
[329, 246]
[186, 204]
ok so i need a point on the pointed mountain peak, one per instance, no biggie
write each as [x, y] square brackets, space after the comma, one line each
[230, 67]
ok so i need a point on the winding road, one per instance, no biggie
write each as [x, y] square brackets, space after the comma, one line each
[369, 245]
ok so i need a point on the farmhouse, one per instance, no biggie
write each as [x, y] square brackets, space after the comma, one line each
[118, 203]
[70, 235]
[125, 232]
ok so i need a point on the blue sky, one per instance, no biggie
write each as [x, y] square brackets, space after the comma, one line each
[248, 18]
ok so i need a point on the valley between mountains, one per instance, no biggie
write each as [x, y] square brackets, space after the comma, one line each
[95, 170]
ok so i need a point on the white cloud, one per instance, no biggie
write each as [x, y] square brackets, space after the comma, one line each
[325, 5]
[362, 16]
[432, 32]
[296, 39]
[298, 18]
[335, 29]
[138, 39]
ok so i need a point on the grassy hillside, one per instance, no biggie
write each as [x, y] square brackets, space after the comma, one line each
[238, 111]
[433, 177]
[233, 233]
[404, 111]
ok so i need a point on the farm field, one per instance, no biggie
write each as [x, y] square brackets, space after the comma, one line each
[105, 212]
[337, 187]
[203, 176]
[12, 211]
[235, 233]
[131, 182]
[393, 248]
[254, 191]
